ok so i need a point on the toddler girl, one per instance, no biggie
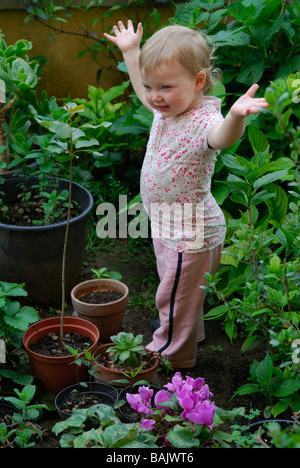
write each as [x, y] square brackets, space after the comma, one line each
[172, 76]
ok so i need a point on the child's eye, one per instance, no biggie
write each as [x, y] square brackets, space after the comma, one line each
[147, 87]
[166, 87]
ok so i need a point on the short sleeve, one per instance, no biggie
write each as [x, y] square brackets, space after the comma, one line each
[212, 116]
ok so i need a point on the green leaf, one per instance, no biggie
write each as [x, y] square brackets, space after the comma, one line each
[86, 143]
[182, 438]
[268, 178]
[217, 311]
[61, 129]
[12, 289]
[257, 139]
[114, 92]
[87, 438]
[228, 38]
[230, 161]
[275, 264]
[229, 328]
[247, 389]
[252, 73]
[252, 342]
[279, 407]
[287, 387]
[278, 204]
[19, 317]
[75, 420]
[264, 370]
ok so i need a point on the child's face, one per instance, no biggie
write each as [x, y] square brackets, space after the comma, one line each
[172, 89]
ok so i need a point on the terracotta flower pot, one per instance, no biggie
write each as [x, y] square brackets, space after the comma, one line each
[108, 318]
[108, 375]
[55, 373]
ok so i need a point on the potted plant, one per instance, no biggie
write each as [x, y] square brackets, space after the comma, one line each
[102, 301]
[74, 140]
[84, 394]
[34, 252]
[125, 354]
[42, 266]
[50, 362]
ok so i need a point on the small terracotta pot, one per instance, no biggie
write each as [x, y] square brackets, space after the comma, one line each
[108, 318]
[107, 375]
[55, 373]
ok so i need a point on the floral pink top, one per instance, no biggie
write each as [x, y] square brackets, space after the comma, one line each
[176, 180]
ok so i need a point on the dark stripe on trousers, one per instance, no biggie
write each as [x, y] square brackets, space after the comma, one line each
[172, 301]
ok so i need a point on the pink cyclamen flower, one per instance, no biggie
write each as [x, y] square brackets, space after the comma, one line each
[176, 383]
[141, 402]
[160, 397]
[196, 383]
[204, 393]
[186, 399]
[146, 395]
[148, 424]
[202, 413]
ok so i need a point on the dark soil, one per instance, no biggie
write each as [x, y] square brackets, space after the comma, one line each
[6, 413]
[76, 400]
[105, 297]
[33, 213]
[50, 345]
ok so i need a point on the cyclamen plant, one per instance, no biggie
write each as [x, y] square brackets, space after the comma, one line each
[184, 403]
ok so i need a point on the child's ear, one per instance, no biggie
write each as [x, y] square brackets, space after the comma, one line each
[200, 80]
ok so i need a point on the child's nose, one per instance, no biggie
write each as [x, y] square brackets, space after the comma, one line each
[156, 96]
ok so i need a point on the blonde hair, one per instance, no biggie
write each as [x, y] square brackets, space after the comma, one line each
[188, 46]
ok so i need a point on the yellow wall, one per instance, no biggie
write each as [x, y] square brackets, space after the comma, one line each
[65, 74]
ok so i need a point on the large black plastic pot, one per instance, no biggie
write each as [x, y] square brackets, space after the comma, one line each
[33, 254]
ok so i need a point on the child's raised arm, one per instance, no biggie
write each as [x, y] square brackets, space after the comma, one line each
[128, 42]
[229, 132]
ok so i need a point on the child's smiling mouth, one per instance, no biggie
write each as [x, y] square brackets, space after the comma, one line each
[162, 108]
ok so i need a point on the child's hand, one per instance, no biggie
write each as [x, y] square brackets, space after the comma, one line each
[126, 39]
[247, 104]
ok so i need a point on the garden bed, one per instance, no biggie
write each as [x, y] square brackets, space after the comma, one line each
[219, 362]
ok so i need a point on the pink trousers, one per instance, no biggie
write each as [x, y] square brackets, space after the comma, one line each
[179, 301]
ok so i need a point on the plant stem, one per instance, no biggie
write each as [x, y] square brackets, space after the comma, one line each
[63, 279]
